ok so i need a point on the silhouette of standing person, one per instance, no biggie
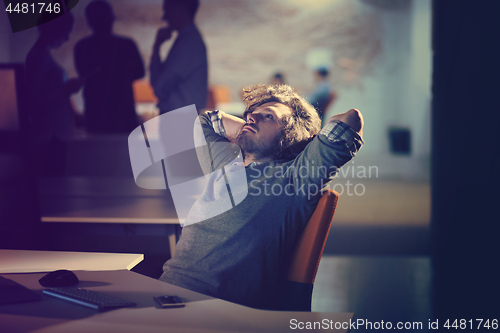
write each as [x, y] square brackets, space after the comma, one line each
[110, 64]
[182, 78]
[50, 111]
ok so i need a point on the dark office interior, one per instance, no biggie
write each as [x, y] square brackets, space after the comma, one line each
[446, 270]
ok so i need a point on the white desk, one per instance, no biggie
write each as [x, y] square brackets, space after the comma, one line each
[24, 261]
[201, 313]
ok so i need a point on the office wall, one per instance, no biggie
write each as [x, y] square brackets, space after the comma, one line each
[380, 54]
[396, 93]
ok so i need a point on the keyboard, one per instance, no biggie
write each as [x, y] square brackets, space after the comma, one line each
[88, 298]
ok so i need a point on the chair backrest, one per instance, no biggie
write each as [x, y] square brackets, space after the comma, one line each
[143, 92]
[309, 248]
[306, 255]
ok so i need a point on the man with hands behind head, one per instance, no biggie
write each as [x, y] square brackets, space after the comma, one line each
[241, 254]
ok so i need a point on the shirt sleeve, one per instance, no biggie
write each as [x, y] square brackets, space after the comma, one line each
[154, 68]
[335, 145]
[337, 131]
[219, 151]
[217, 124]
[164, 75]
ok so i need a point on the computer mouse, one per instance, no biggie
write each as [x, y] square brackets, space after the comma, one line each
[60, 278]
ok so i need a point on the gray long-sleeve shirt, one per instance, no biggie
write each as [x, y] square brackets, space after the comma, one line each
[241, 254]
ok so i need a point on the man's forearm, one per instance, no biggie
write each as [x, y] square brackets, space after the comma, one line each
[154, 66]
[232, 125]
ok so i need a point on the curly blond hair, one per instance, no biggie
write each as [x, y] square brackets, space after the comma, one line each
[298, 129]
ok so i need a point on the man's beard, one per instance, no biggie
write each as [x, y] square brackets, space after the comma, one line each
[256, 148]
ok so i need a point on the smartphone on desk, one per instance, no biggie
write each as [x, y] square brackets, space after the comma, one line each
[169, 301]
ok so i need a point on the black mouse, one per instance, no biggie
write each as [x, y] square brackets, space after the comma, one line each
[60, 278]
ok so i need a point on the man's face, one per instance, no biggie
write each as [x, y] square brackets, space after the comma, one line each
[260, 135]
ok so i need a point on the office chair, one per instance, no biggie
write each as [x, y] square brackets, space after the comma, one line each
[298, 287]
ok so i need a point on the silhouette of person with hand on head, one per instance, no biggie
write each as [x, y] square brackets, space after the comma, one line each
[182, 78]
[51, 113]
[109, 64]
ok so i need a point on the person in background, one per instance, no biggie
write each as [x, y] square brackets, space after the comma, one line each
[50, 112]
[278, 78]
[323, 94]
[182, 78]
[110, 64]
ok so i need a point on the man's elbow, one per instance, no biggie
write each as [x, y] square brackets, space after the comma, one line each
[353, 118]
[356, 120]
